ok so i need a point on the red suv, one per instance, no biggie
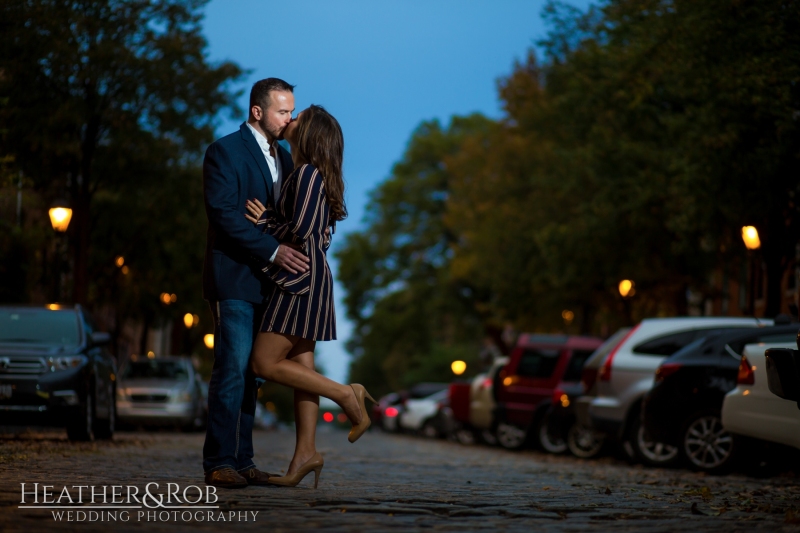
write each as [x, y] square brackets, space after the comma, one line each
[536, 366]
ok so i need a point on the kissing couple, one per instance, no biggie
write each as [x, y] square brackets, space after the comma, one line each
[267, 280]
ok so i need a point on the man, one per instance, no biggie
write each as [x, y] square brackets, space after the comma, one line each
[244, 165]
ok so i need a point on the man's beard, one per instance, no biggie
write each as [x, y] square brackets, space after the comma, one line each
[277, 134]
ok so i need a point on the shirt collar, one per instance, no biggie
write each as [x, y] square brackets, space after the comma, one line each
[261, 139]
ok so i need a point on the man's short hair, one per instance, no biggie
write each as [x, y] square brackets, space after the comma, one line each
[259, 94]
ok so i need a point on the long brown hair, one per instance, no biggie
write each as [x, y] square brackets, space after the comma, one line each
[320, 143]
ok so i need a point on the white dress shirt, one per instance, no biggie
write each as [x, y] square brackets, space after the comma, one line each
[274, 164]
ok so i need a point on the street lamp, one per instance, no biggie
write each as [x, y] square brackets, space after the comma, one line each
[60, 215]
[208, 339]
[458, 367]
[751, 242]
[568, 316]
[750, 238]
[627, 288]
[190, 320]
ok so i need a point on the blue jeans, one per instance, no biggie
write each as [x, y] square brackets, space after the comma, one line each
[233, 388]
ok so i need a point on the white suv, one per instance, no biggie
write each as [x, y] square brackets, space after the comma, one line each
[628, 371]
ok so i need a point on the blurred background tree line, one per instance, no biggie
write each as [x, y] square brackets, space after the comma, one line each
[109, 105]
[647, 136]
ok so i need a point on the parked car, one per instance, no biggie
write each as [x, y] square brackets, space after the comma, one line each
[536, 366]
[55, 369]
[683, 409]
[587, 440]
[384, 413]
[160, 391]
[752, 410]
[419, 414]
[473, 406]
[628, 371]
[580, 376]
[392, 406]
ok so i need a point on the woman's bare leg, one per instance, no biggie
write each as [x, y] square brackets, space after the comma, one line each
[306, 410]
[269, 362]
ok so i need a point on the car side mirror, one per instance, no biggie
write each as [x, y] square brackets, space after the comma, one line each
[783, 377]
[100, 338]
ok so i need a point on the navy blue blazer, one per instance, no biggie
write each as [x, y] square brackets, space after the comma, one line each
[234, 170]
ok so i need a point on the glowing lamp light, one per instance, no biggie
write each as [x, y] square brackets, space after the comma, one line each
[458, 367]
[151, 355]
[119, 261]
[173, 298]
[626, 288]
[126, 270]
[508, 381]
[188, 320]
[60, 217]
[328, 417]
[568, 316]
[54, 307]
[208, 340]
[750, 238]
[391, 412]
[564, 400]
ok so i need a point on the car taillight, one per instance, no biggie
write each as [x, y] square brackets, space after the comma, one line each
[390, 412]
[588, 377]
[605, 370]
[746, 375]
[560, 398]
[666, 370]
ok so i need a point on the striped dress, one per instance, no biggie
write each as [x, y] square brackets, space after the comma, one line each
[301, 304]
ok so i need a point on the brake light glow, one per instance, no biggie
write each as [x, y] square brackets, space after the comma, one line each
[328, 417]
[391, 412]
[666, 370]
[746, 376]
[605, 370]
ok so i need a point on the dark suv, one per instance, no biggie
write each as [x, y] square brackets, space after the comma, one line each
[55, 370]
[683, 409]
[537, 364]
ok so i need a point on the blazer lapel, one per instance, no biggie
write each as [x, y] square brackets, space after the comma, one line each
[255, 151]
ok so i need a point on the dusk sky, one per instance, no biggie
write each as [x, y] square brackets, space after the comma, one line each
[380, 68]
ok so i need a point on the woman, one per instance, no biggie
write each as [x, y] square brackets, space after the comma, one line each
[300, 308]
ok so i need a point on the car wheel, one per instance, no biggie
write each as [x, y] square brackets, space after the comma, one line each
[510, 437]
[584, 442]
[488, 437]
[429, 430]
[79, 427]
[649, 451]
[465, 436]
[706, 445]
[104, 429]
[548, 441]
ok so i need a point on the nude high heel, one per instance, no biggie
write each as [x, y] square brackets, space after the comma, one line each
[315, 464]
[359, 429]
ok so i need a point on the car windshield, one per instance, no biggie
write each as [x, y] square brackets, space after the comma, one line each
[155, 369]
[39, 326]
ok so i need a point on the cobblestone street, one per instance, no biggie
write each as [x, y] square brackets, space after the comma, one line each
[392, 483]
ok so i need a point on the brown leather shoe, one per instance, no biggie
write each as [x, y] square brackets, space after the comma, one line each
[226, 478]
[254, 476]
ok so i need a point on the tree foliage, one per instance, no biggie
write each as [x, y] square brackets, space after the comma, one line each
[650, 134]
[108, 104]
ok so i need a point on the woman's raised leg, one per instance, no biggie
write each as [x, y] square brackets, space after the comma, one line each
[269, 361]
[306, 410]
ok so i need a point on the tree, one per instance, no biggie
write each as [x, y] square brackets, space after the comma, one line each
[105, 99]
[411, 320]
